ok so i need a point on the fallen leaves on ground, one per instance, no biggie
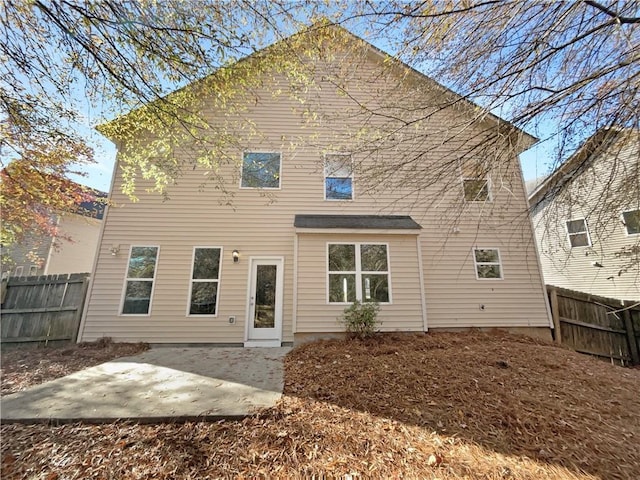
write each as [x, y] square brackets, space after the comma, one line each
[446, 406]
[22, 368]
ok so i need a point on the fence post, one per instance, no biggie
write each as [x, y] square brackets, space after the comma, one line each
[82, 299]
[631, 336]
[555, 314]
[3, 289]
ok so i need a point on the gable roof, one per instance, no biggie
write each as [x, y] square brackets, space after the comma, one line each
[525, 139]
[577, 163]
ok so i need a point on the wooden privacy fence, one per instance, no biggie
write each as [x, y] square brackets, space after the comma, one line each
[43, 308]
[600, 326]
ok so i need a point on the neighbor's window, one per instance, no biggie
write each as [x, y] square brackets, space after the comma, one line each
[18, 271]
[578, 233]
[205, 281]
[487, 261]
[632, 221]
[261, 170]
[141, 273]
[33, 270]
[338, 177]
[358, 271]
[476, 189]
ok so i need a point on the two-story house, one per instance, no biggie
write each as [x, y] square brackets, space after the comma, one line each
[73, 250]
[587, 217]
[374, 199]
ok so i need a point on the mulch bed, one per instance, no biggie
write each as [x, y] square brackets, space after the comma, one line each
[446, 406]
[25, 367]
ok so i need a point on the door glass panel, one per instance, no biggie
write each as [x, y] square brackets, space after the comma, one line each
[265, 306]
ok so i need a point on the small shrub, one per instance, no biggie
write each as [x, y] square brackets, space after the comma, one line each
[361, 319]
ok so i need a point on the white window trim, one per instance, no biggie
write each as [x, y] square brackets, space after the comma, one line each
[624, 224]
[324, 181]
[19, 271]
[34, 269]
[279, 187]
[476, 263]
[586, 226]
[199, 280]
[487, 179]
[358, 272]
[126, 279]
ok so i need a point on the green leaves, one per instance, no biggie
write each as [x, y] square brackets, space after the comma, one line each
[361, 319]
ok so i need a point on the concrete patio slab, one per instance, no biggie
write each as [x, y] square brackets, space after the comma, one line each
[162, 384]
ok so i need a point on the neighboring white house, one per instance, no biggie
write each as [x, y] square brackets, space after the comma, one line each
[589, 232]
[73, 251]
[308, 232]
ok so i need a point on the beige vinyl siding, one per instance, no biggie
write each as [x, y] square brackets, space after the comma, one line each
[168, 320]
[77, 255]
[261, 223]
[315, 314]
[574, 268]
[31, 251]
[455, 298]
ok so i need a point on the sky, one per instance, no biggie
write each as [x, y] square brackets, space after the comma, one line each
[98, 175]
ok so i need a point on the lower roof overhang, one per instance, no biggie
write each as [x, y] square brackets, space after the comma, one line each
[354, 224]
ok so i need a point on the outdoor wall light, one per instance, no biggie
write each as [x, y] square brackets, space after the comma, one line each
[236, 256]
[115, 249]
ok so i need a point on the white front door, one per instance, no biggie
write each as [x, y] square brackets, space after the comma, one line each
[264, 309]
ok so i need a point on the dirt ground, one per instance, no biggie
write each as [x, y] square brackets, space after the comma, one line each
[25, 367]
[436, 406]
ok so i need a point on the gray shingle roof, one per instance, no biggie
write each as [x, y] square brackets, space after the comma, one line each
[392, 222]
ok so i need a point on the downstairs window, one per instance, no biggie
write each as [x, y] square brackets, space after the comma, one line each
[358, 271]
[205, 281]
[487, 262]
[141, 273]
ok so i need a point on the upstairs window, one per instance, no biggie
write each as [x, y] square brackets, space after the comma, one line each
[487, 262]
[475, 179]
[261, 170]
[338, 177]
[578, 233]
[205, 281]
[141, 274]
[358, 271]
[631, 220]
[476, 189]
